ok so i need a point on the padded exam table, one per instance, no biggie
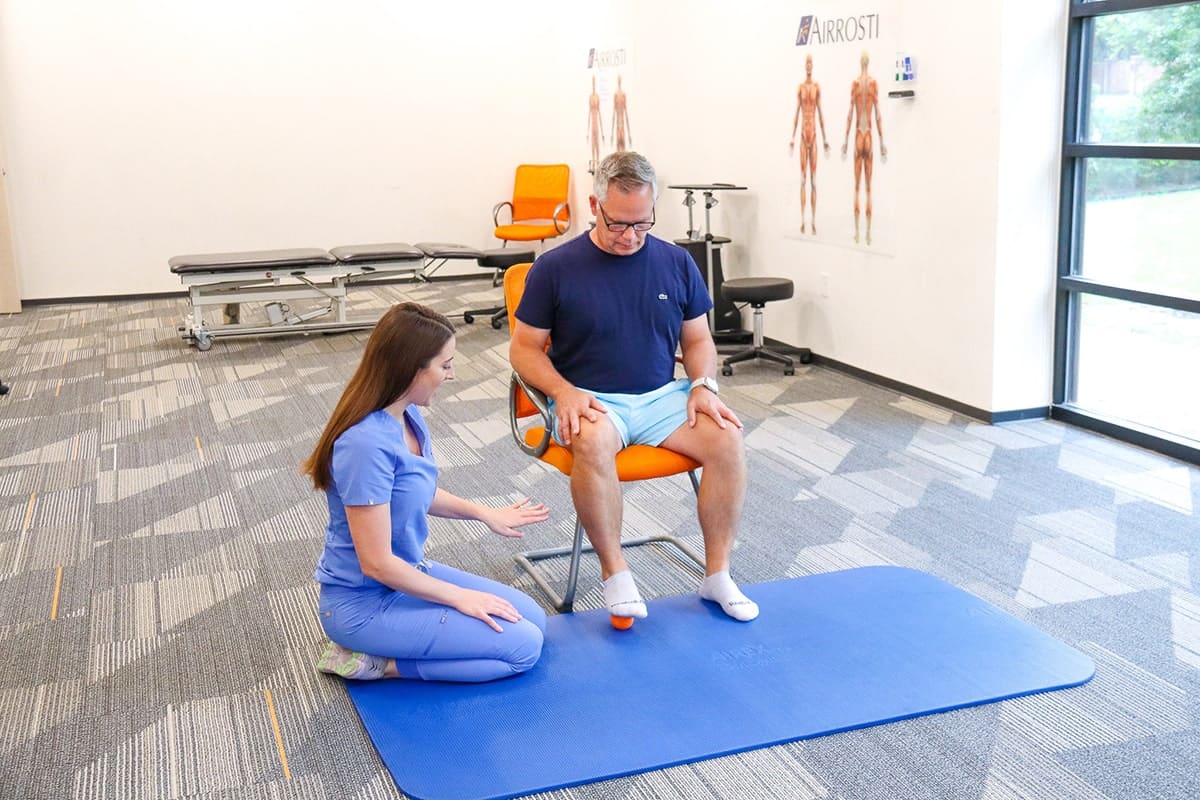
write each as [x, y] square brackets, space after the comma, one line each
[218, 281]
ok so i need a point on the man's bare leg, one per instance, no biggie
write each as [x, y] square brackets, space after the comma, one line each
[722, 456]
[722, 484]
[596, 492]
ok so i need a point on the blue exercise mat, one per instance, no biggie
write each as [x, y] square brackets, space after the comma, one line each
[828, 653]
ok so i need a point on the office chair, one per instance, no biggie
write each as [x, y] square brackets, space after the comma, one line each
[531, 423]
[538, 211]
[539, 208]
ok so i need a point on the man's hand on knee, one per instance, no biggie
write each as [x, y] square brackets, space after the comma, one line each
[710, 405]
[570, 406]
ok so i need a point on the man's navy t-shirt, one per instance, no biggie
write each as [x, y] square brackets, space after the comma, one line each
[614, 321]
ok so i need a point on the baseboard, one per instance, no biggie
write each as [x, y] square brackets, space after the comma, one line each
[102, 298]
[1018, 414]
[990, 417]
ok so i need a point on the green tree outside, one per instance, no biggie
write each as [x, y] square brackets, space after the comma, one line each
[1167, 111]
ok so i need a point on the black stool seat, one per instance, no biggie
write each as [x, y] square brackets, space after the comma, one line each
[757, 290]
[504, 257]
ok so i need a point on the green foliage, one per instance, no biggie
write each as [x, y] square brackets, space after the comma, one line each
[1168, 110]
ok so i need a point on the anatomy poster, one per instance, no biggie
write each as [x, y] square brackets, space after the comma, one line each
[843, 67]
[609, 104]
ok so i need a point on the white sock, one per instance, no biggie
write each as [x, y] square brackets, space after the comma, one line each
[622, 597]
[720, 588]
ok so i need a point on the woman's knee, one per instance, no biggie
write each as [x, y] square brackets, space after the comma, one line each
[530, 611]
[526, 646]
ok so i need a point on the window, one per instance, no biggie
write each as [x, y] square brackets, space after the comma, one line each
[1127, 355]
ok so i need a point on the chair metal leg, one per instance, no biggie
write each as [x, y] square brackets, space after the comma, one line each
[568, 600]
[527, 561]
[565, 602]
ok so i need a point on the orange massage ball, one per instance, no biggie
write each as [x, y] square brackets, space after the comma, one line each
[621, 623]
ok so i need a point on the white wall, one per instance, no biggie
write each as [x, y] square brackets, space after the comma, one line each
[139, 130]
[954, 296]
[1031, 102]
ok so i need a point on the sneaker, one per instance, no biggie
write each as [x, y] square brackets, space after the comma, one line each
[351, 664]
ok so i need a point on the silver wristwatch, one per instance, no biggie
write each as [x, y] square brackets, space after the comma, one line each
[707, 383]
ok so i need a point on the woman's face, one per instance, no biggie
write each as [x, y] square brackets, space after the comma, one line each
[427, 380]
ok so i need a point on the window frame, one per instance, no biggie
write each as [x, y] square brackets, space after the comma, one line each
[1070, 285]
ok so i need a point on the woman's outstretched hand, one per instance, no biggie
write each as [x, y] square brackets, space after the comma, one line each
[507, 520]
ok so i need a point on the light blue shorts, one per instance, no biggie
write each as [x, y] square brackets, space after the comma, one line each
[643, 418]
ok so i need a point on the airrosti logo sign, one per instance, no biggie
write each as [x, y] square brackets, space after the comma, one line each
[816, 30]
[598, 59]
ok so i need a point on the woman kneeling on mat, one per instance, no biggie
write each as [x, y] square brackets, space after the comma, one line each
[390, 612]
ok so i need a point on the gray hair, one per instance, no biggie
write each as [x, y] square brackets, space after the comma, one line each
[630, 171]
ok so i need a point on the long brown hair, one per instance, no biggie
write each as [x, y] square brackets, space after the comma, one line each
[404, 341]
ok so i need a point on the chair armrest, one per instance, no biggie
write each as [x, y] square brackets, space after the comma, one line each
[516, 387]
[561, 225]
[496, 212]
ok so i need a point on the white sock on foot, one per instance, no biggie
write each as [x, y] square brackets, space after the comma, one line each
[720, 588]
[622, 597]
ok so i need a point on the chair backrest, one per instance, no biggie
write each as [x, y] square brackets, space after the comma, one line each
[514, 287]
[538, 189]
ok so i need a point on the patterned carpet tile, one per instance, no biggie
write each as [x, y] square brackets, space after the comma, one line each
[157, 544]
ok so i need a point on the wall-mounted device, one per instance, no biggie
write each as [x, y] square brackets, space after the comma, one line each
[904, 76]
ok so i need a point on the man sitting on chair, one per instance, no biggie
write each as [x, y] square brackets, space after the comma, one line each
[615, 303]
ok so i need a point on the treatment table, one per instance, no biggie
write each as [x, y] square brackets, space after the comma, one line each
[276, 277]
[217, 281]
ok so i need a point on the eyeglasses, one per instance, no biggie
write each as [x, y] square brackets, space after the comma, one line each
[621, 227]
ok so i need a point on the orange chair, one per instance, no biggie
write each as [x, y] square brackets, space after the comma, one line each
[529, 415]
[539, 209]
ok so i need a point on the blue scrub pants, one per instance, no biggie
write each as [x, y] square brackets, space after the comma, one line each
[430, 641]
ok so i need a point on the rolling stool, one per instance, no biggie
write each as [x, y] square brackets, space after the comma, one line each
[498, 260]
[758, 292]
